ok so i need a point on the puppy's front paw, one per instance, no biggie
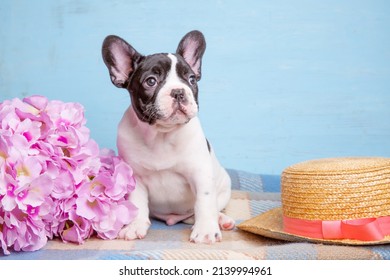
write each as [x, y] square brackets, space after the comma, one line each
[206, 232]
[135, 230]
[225, 222]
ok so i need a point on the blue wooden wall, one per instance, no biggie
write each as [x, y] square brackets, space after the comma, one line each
[283, 81]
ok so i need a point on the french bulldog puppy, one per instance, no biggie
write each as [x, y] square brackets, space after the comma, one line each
[178, 177]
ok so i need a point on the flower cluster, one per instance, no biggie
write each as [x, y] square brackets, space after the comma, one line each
[54, 179]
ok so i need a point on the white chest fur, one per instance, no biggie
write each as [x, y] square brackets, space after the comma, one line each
[165, 162]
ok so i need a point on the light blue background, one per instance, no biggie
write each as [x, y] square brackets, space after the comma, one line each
[283, 81]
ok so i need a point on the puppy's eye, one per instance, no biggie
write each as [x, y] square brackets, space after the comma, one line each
[151, 82]
[192, 80]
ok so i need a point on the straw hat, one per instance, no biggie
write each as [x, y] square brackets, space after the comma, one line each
[334, 200]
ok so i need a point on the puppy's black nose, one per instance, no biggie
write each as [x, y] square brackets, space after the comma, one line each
[179, 95]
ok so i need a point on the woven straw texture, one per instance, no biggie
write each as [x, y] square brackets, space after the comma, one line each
[337, 189]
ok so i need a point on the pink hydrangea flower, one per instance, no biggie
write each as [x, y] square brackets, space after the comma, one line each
[95, 198]
[77, 229]
[54, 179]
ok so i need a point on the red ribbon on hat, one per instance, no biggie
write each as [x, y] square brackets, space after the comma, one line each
[367, 229]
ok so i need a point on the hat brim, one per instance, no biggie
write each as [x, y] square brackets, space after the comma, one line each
[270, 224]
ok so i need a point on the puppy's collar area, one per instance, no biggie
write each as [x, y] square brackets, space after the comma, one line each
[166, 129]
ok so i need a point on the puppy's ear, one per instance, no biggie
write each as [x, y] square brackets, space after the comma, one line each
[192, 48]
[120, 58]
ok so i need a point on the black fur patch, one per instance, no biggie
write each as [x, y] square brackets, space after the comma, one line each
[143, 98]
[208, 145]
